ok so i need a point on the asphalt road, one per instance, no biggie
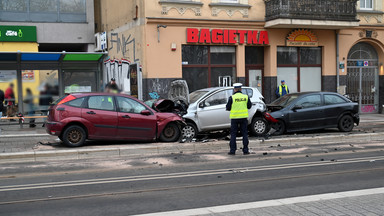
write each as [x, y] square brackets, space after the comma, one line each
[184, 181]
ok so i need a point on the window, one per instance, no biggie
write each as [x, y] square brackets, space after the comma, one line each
[218, 98]
[300, 67]
[129, 105]
[309, 101]
[43, 10]
[366, 4]
[76, 103]
[247, 91]
[101, 103]
[333, 99]
[211, 65]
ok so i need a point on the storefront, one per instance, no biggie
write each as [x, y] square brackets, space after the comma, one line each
[47, 76]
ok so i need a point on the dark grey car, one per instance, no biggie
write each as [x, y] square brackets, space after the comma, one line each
[313, 110]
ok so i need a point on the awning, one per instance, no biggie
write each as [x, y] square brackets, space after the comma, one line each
[28, 57]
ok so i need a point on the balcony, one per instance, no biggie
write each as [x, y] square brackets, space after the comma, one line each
[328, 14]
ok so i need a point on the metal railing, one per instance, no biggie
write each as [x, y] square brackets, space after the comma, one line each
[335, 10]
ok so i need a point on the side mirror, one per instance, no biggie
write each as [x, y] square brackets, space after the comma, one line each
[145, 112]
[296, 107]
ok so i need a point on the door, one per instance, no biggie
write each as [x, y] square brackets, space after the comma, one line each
[131, 123]
[362, 77]
[255, 79]
[100, 112]
[310, 115]
[213, 115]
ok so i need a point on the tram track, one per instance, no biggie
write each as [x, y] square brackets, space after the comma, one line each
[85, 182]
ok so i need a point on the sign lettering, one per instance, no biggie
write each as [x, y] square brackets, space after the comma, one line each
[226, 36]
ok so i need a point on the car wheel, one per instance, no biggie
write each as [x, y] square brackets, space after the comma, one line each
[346, 123]
[74, 136]
[259, 126]
[189, 131]
[279, 127]
[170, 133]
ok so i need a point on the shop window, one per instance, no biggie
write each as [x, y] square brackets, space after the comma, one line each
[208, 66]
[254, 55]
[286, 55]
[300, 67]
[366, 4]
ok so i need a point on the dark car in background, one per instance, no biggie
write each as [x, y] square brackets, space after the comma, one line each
[77, 117]
[313, 110]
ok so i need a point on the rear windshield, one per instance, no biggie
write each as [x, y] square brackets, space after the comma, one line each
[194, 96]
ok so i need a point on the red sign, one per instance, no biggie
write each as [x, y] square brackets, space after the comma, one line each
[226, 36]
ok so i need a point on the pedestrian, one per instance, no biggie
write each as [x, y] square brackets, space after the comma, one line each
[238, 105]
[1, 102]
[45, 99]
[10, 101]
[282, 89]
[30, 107]
[112, 87]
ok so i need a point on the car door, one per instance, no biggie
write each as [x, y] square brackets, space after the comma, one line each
[211, 112]
[334, 105]
[100, 113]
[306, 113]
[131, 123]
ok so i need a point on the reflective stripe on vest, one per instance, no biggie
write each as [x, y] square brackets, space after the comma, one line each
[239, 106]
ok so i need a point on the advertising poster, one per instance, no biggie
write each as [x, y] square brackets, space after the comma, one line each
[28, 75]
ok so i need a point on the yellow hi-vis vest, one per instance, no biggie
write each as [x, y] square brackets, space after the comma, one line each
[239, 106]
[281, 89]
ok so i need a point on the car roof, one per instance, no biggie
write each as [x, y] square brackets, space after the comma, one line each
[80, 94]
[313, 92]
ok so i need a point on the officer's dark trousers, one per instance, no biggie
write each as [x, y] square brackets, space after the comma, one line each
[235, 125]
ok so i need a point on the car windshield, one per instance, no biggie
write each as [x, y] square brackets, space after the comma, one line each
[194, 96]
[284, 101]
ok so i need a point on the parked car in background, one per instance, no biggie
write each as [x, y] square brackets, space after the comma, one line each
[206, 111]
[313, 110]
[77, 117]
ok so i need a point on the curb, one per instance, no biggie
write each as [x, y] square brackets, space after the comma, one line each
[23, 135]
[167, 148]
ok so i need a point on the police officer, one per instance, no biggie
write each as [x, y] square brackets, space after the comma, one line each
[282, 89]
[238, 105]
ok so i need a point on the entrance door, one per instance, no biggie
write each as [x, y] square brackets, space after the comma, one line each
[255, 79]
[363, 78]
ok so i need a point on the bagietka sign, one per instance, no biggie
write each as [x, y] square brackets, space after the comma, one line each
[227, 36]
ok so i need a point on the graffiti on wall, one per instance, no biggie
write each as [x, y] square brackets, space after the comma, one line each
[124, 45]
[118, 69]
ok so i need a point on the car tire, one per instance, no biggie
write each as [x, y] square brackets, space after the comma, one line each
[190, 131]
[170, 133]
[259, 126]
[74, 136]
[279, 127]
[346, 123]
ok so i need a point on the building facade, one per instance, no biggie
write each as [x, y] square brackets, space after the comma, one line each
[45, 47]
[313, 45]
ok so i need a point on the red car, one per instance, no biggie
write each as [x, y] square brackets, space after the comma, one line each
[77, 117]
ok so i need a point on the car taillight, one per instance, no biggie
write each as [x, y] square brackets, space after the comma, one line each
[66, 99]
[270, 118]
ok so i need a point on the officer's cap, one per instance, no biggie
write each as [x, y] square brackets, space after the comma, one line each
[282, 81]
[237, 85]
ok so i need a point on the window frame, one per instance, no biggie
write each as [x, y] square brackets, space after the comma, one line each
[299, 65]
[113, 103]
[365, 4]
[209, 64]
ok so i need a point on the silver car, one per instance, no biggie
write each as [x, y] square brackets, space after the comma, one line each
[206, 111]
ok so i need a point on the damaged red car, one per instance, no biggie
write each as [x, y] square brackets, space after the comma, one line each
[78, 117]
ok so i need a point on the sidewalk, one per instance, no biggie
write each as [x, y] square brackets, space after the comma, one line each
[359, 202]
[34, 144]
